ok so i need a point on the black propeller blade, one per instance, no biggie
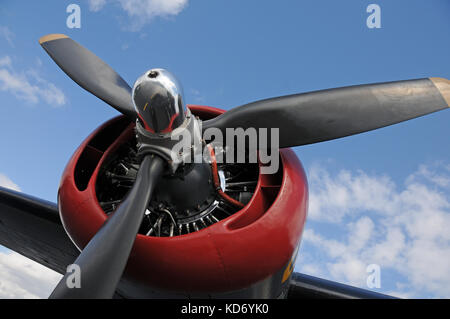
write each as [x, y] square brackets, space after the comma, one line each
[325, 115]
[90, 72]
[103, 260]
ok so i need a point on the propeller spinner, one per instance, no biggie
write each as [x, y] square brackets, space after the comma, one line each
[158, 100]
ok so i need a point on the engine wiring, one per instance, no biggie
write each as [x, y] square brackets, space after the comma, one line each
[216, 180]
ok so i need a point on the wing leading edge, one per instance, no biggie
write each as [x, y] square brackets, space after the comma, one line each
[308, 287]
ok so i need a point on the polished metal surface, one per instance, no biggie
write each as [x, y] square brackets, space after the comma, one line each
[158, 100]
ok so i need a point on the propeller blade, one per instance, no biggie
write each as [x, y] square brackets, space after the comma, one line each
[89, 72]
[103, 260]
[329, 114]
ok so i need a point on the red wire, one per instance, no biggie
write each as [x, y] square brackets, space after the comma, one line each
[215, 173]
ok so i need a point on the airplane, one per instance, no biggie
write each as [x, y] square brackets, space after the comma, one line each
[141, 220]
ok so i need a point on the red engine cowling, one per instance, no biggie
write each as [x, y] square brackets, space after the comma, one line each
[253, 248]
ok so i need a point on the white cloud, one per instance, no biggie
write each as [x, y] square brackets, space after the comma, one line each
[152, 8]
[7, 35]
[369, 219]
[332, 198]
[28, 85]
[143, 11]
[96, 5]
[5, 62]
[21, 277]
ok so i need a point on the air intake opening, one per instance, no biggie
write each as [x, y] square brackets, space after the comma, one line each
[93, 152]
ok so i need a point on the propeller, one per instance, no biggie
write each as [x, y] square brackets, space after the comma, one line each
[329, 114]
[301, 119]
[89, 72]
[103, 260]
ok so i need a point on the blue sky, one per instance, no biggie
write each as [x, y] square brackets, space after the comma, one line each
[380, 197]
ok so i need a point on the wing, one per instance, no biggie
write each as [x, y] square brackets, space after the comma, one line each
[32, 227]
[308, 287]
